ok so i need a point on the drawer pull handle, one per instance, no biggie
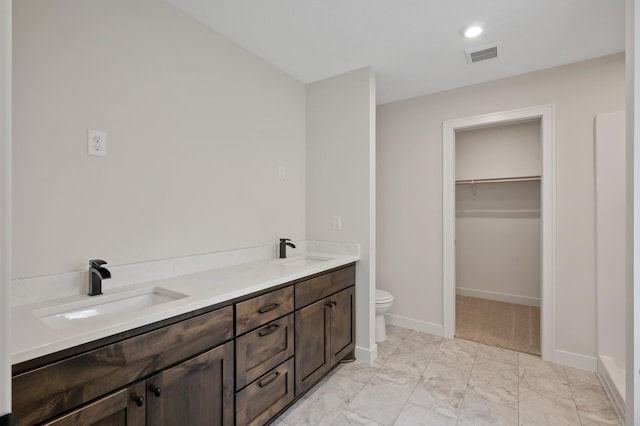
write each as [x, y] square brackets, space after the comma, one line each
[139, 400]
[330, 304]
[156, 391]
[268, 382]
[268, 308]
[268, 330]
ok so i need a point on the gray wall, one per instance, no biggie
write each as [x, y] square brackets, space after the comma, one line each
[409, 209]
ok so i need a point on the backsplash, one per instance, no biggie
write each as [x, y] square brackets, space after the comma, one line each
[36, 289]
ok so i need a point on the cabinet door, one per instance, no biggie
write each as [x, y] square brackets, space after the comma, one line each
[198, 391]
[125, 407]
[342, 330]
[312, 344]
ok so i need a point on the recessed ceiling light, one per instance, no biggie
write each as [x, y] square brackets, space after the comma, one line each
[471, 31]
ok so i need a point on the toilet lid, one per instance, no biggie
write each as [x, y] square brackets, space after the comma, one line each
[383, 296]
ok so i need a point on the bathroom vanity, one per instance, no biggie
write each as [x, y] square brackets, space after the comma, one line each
[237, 361]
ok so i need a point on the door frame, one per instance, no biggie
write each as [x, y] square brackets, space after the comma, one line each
[546, 114]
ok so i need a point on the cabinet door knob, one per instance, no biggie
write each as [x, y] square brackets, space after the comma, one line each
[268, 382]
[139, 400]
[268, 330]
[328, 305]
[156, 391]
[268, 308]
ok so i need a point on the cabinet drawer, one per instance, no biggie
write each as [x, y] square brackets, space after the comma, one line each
[260, 310]
[262, 349]
[316, 288]
[264, 398]
[45, 392]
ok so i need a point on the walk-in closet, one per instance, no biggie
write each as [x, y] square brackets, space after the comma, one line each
[498, 235]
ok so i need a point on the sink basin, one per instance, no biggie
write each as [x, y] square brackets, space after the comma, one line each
[305, 261]
[71, 314]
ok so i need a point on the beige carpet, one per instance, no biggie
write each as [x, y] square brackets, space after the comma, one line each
[501, 324]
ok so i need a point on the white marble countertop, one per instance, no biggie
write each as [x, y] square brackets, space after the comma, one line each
[33, 338]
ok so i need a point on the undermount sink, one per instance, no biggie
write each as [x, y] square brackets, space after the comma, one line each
[305, 261]
[71, 314]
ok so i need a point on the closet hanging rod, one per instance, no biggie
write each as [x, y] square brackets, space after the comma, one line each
[498, 180]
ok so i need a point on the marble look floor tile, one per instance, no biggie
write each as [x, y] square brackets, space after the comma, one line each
[424, 338]
[384, 396]
[537, 409]
[411, 358]
[398, 331]
[414, 415]
[543, 377]
[479, 412]
[441, 389]
[456, 353]
[575, 375]
[385, 349]
[592, 399]
[494, 381]
[358, 371]
[349, 418]
[602, 418]
[326, 403]
[493, 353]
[473, 383]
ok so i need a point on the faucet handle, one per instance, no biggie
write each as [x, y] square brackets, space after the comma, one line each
[96, 263]
[284, 240]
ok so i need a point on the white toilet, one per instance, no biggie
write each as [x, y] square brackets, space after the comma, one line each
[384, 300]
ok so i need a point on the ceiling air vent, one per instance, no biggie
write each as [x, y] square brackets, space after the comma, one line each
[483, 53]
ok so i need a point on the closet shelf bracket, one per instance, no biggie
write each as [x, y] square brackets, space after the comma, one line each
[472, 182]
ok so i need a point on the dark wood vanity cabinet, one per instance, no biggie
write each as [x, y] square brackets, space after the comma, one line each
[325, 329]
[116, 409]
[264, 356]
[187, 360]
[198, 391]
[242, 363]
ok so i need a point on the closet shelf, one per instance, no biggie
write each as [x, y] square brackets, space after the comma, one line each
[498, 180]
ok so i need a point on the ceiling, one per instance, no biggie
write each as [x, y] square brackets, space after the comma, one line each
[415, 46]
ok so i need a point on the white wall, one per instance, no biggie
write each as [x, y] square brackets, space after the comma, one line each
[341, 179]
[509, 150]
[196, 127]
[410, 187]
[5, 207]
[610, 207]
[498, 239]
[498, 224]
[632, 155]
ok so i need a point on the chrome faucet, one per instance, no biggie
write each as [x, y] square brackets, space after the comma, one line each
[283, 247]
[96, 274]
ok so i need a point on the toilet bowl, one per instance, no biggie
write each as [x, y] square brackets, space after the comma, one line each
[384, 300]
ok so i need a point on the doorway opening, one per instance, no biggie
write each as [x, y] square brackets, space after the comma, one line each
[498, 171]
[540, 181]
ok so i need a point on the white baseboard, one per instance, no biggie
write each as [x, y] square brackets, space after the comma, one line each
[614, 383]
[367, 356]
[574, 360]
[500, 297]
[413, 324]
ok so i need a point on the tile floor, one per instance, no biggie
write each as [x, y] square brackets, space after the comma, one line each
[421, 379]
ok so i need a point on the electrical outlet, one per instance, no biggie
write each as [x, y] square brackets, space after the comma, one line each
[281, 173]
[337, 223]
[97, 143]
